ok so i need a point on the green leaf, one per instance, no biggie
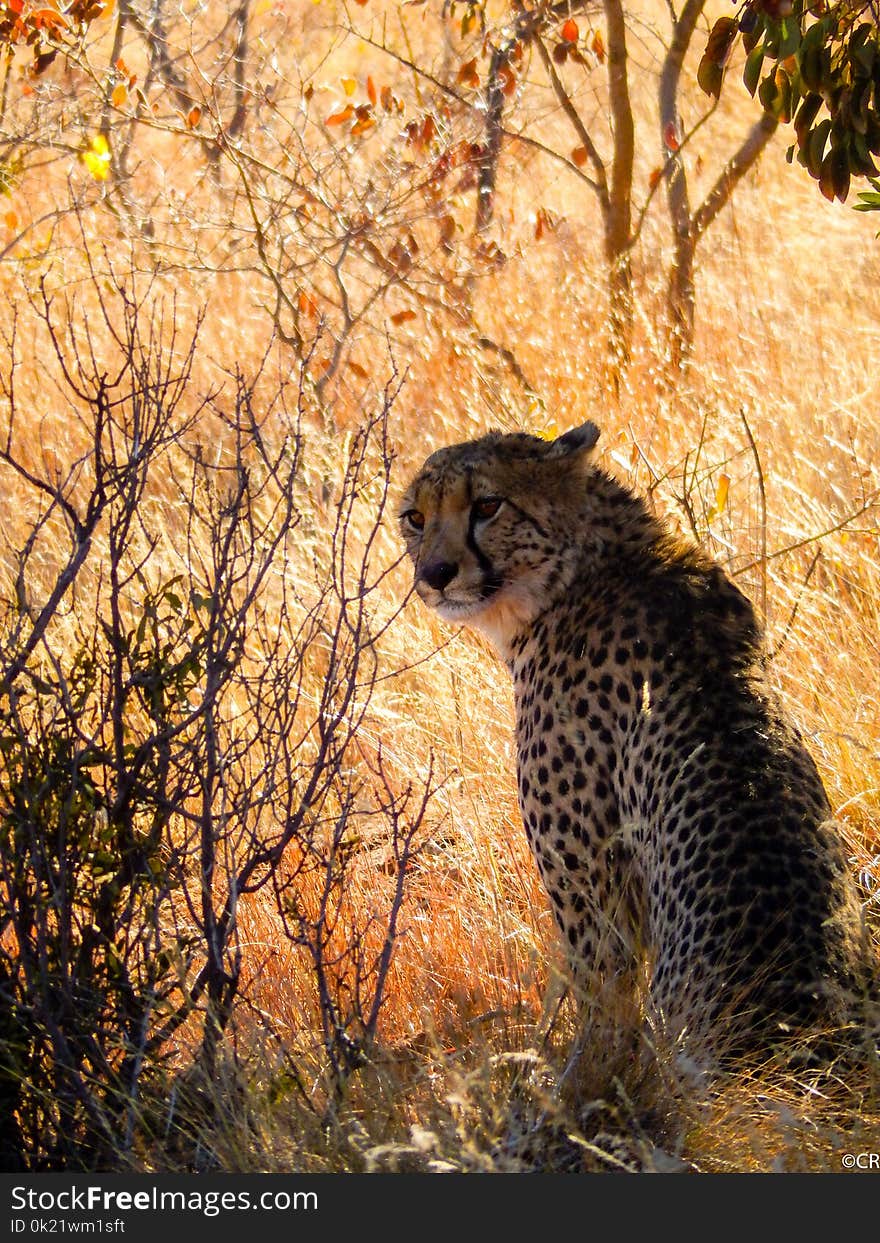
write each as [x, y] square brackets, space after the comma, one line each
[782, 106]
[805, 117]
[710, 76]
[816, 35]
[752, 70]
[816, 148]
[720, 41]
[834, 174]
[751, 36]
[860, 162]
[768, 93]
[790, 37]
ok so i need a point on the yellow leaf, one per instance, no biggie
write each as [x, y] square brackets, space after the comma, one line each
[349, 85]
[721, 493]
[97, 157]
[119, 96]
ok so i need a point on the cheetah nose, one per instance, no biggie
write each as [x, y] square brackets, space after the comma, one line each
[438, 574]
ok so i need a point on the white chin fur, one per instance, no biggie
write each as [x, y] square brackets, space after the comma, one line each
[500, 618]
[459, 610]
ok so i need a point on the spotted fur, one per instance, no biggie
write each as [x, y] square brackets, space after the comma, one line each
[678, 822]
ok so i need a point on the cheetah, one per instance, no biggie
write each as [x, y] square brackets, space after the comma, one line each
[678, 823]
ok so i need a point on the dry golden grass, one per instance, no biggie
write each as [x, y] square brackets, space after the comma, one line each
[471, 1071]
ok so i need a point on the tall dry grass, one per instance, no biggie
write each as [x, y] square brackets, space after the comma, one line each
[474, 1068]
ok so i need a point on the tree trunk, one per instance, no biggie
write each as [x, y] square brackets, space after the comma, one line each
[492, 146]
[680, 297]
[618, 214]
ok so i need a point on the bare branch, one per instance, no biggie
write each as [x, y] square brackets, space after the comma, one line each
[600, 184]
[733, 172]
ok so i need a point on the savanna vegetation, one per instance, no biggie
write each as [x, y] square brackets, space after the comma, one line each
[265, 900]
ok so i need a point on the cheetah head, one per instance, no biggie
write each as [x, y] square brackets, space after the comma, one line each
[489, 527]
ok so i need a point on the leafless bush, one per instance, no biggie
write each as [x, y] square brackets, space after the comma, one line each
[172, 743]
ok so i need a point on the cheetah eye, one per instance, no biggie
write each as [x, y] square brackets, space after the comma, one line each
[414, 519]
[485, 508]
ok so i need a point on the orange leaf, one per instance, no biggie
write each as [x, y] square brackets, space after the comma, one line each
[670, 137]
[193, 117]
[544, 222]
[401, 256]
[401, 317]
[359, 371]
[656, 174]
[362, 124]
[598, 45]
[119, 96]
[570, 32]
[307, 305]
[339, 118]
[11, 220]
[447, 231]
[371, 91]
[468, 72]
[508, 80]
[43, 18]
[579, 156]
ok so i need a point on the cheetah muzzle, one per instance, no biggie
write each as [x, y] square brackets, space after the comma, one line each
[678, 823]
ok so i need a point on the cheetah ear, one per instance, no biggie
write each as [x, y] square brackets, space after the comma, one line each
[577, 441]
